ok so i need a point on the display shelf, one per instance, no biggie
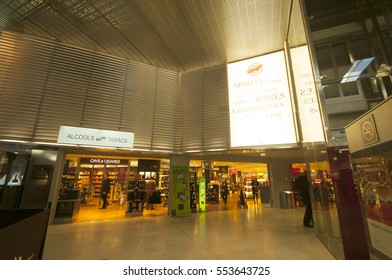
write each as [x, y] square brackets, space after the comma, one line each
[135, 197]
[194, 194]
[212, 193]
[69, 179]
[164, 176]
[164, 181]
[97, 181]
[132, 173]
[115, 188]
[84, 178]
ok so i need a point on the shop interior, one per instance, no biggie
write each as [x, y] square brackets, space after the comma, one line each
[238, 176]
[79, 195]
[83, 174]
[82, 180]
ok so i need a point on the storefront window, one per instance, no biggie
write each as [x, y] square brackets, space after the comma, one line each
[342, 59]
[83, 178]
[325, 62]
[350, 88]
[360, 49]
[226, 181]
[331, 90]
[373, 176]
[334, 60]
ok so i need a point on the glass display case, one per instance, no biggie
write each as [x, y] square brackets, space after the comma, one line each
[373, 176]
[370, 142]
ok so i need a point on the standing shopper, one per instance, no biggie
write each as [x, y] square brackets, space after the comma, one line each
[105, 190]
[302, 185]
[255, 191]
[150, 189]
[225, 191]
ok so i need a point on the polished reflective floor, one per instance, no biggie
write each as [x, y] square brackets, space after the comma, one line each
[92, 212]
[256, 233]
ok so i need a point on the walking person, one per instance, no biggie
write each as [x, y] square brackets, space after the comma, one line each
[225, 191]
[255, 191]
[302, 185]
[105, 190]
[150, 189]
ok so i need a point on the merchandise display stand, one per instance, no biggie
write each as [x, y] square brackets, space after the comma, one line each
[135, 198]
[194, 194]
[68, 207]
[134, 208]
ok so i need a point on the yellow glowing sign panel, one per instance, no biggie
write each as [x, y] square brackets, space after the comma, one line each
[260, 104]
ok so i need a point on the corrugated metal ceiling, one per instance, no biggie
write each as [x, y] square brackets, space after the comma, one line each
[180, 35]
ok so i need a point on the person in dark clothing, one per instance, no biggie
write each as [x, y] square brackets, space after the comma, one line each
[242, 198]
[255, 191]
[105, 190]
[302, 185]
[150, 189]
[225, 191]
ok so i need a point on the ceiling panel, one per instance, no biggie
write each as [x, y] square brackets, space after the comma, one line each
[181, 35]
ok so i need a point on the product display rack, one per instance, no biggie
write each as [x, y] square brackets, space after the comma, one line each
[98, 172]
[132, 171]
[213, 195]
[86, 174]
[193, 175]
[84, 178]
[115, 187]
[69, 178]
[135, 198]
[194, 194]
[117, 175]
[164, 181]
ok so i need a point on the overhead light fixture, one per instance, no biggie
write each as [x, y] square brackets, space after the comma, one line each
[13, 141]
[55, 144]
[193, 151]
[97, 147]
[161, 151]
[139, 150]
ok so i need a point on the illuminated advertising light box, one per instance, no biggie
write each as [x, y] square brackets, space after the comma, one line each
[18, 170]
[261, 110]
[308, 105]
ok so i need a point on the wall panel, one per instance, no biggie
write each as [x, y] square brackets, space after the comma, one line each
[105, 93]
[166, 111]
[23, 73]
[191, 113]
[44, 85]
[65, 92]
[215, 108]
[139, 99]
[205, 109]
